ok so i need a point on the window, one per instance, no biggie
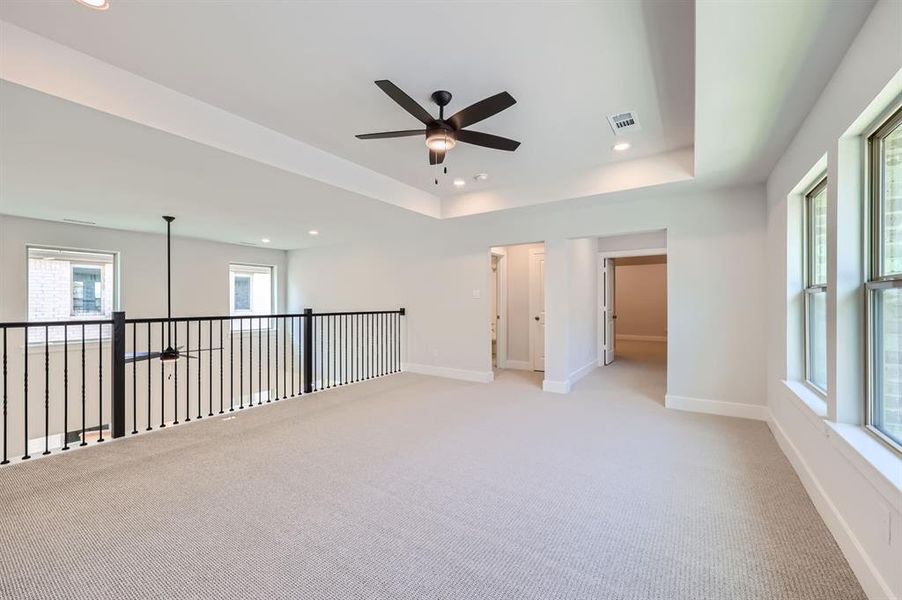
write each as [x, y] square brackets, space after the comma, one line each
[250, 290]
[70, 285]
[815, 254]
[884, 286]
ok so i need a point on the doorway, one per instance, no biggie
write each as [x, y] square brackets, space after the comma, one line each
[517, 309]
[633, 306]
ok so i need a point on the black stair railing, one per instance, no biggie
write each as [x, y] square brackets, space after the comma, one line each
[71, 383]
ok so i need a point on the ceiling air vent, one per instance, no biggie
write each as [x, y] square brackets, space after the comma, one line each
[624, 123]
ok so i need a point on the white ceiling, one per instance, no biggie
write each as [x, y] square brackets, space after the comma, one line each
[720, 89]
[306, 69]
[60, 160]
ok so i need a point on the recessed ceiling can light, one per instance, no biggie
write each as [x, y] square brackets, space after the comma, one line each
[313, 232]
[621, 146]
[95, 4]
[459, 182]
[481, 176]
[265, 240]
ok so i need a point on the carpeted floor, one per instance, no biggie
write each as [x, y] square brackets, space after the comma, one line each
[417, 487]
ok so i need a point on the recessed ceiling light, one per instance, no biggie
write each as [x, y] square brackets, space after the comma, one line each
[95, 4]
[459, 182]
[313, 232]
[481, 176]
[621, 146]
[265, 240]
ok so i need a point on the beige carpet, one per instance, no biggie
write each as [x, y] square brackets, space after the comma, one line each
[415, 487]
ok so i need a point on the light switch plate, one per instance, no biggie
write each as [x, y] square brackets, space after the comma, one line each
[476, 294]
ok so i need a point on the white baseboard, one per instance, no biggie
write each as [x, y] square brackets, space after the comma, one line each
[716, 407]
[556, 387]
[519, 365]
[640, 338]
[873, 584]
[449, 373]
[583, 371]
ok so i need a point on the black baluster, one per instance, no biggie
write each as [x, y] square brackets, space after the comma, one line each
[268, 367]
[5, 401]
[83, 442]
[291, 321]
[149, 374]
[231, 365]
[210, 368]
[322, 337]
[26, 456]
[100, 380]
[259, 362]
[65, 387]
[241, 364]
[199, 365]
[284, 359]
[46, 391]
[134, 379]
[175, 375]
[276, 354]
[163, 377]
[187, 372]
[250, 364]
[221, 352]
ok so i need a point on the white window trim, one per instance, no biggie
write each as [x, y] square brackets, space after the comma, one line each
[874, 278]
[252, 268]
[808, 289]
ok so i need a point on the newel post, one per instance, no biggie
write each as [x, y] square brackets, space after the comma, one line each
[117, 418]
[308, 350]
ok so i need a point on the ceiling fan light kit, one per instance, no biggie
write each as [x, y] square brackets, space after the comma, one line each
[442, 134]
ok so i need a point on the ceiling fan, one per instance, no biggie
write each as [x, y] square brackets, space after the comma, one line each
[443, 134]
[170, 354]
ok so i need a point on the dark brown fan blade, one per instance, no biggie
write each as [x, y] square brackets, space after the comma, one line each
[130, 358]
[488, 140]
[482, 110]
[436, 158]
[405, 101]
[390, 134]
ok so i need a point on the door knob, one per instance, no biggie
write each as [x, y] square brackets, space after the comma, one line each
[536, 318]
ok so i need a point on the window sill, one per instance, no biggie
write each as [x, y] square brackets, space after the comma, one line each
[812, 404]
[879, 464]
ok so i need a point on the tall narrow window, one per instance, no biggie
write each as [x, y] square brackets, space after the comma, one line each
[250, 290]
[816, 286]
[884, 286]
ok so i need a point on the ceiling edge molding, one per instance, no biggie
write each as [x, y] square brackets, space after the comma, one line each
[52, 68]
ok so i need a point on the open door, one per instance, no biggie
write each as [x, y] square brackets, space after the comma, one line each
[537, 308]
[609, 314]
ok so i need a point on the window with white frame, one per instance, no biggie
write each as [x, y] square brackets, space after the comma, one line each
[69, 285]
[251, 290]
[815, 268]
[884, 285]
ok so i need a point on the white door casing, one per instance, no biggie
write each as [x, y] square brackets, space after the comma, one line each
[537, 308]
[609, 314]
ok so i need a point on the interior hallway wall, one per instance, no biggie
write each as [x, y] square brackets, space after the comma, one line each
[434, 271]
[641, 301]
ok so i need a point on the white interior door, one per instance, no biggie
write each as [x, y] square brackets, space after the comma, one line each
[537, 308]
[608, 310]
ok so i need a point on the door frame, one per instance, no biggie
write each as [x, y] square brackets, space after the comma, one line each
[501, 321]
[600, 267]
[532, 308]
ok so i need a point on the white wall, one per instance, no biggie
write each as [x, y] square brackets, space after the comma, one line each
[640, 297]
[583, 300]
[862, 507]
[434, 271]
[200, 269]
[634, 241]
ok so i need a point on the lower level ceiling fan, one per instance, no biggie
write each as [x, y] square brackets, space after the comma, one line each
[442, 134]
[170, 354]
